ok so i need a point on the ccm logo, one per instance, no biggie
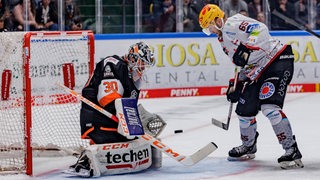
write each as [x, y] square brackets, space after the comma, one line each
[115, 146]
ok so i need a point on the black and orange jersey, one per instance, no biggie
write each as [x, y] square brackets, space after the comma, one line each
[111, 80]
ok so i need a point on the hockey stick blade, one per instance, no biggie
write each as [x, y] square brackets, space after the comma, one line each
[185, 160]
[220, 124]
[200, 154]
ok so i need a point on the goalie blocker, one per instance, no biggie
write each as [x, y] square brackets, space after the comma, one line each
[130, 124]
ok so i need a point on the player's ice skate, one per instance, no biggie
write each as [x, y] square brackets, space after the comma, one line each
[243, 153]
[291, 158]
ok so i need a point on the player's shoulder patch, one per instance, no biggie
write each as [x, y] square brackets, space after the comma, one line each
[111, 59]
[267, 90]
[107, 73]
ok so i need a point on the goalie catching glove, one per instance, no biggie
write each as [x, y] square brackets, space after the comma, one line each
[135, 121]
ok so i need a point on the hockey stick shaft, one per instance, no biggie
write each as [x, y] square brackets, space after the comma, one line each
[294, 23]
[218, 123]
[185, 160]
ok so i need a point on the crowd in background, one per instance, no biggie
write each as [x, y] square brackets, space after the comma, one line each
[159, 15]
[41, 15]
[163, 13]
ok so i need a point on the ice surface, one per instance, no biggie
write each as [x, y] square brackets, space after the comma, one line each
[193, 115]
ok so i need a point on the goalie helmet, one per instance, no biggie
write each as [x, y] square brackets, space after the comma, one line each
[139, 59]
[207, 16]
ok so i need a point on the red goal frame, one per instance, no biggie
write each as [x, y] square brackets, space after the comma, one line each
[27, 83]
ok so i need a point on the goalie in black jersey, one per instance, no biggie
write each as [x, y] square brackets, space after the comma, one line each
[111, 151]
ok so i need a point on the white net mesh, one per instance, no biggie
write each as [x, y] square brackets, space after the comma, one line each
[54, 114]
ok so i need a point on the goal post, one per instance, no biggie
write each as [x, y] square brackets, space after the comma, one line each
[35, 114]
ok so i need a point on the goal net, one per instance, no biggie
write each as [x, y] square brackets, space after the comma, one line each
[35, 114]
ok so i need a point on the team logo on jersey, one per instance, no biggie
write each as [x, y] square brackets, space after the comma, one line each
[134, 94]
[107, 72]
[267, 90]
[251, 27]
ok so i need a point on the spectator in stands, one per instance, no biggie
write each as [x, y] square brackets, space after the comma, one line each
[190, 18]
[302, 12]
[232, 7]
[287, 9]
[254, 8]
[318, 16]
[244, 12]
[156, 12]
[4, 15]
[47, 16]
[72, 16]
[261, 17]
[168, 17]
[197, 5]
[18, 20]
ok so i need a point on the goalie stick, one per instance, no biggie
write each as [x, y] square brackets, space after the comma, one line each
[221, 124]
[185, 160]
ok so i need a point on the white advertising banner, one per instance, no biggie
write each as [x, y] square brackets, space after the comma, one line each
[192, 60]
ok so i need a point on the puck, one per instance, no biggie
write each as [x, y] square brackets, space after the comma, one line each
[178, 131]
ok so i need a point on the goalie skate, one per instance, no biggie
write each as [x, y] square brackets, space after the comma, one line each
[243, 153]
[81, 168]
[82, 172]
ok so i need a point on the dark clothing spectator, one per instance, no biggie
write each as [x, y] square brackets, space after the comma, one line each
[156, 12]
[73, 20]
[4, 14]
[254, 8]
[302, 12]
[287, 9]
[190, 18]
[318, 17]
[168, 17]
[232, 7]
[197, 5]
[47, 16]
[17, 20]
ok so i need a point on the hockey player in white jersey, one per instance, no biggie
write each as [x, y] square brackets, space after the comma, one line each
[266, 69]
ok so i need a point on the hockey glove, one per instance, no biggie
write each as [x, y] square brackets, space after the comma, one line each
[233, 93]
[241, 56]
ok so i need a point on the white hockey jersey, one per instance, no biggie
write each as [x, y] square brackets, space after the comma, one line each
[253, 34]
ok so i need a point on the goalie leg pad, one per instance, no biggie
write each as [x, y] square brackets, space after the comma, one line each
[120, 158]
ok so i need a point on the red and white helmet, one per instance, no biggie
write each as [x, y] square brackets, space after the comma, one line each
[139, 59]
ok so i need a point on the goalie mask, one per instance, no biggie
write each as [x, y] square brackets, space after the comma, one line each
[139, 59]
